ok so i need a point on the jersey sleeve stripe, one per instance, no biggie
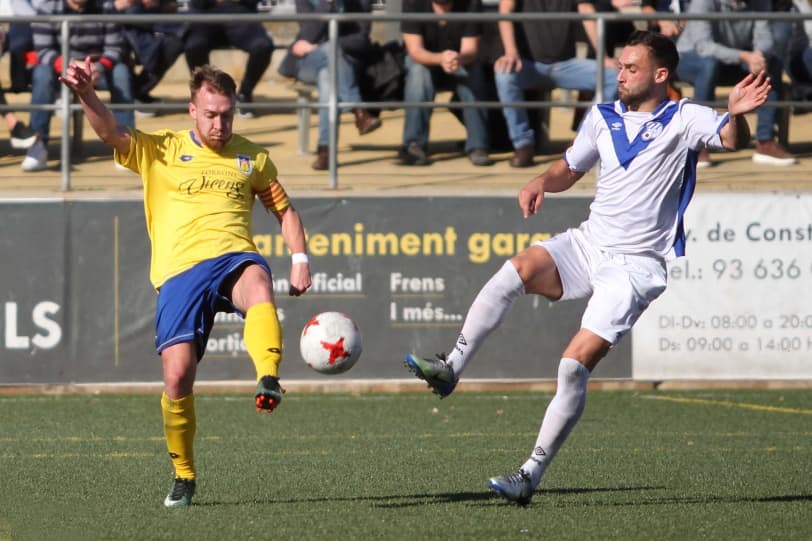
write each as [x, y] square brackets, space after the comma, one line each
[274, 197]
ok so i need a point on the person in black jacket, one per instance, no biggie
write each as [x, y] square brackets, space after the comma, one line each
[307, 61]
[155, 46]
[252, 38]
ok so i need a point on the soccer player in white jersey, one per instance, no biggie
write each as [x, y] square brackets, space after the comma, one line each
[647, 146]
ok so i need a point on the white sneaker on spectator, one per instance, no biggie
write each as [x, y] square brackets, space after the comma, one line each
[36, 159]
[144, 112]
[771, 153]
[22, 136]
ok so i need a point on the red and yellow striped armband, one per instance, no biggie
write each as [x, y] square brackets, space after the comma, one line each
[274, 197]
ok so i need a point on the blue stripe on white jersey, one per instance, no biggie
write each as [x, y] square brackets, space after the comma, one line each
[647, 172]
[686, 193]
[626, 151]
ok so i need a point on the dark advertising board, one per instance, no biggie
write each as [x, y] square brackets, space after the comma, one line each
[78, 306]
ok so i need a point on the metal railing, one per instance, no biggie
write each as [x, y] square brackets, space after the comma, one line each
[333, 105]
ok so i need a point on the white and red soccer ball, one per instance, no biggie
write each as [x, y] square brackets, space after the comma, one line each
[330, 343]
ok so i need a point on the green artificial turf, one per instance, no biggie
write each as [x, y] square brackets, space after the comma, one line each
[718, 464]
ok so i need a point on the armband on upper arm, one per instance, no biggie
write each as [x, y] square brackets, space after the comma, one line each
[274, 197]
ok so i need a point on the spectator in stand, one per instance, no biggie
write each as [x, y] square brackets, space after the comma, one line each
[793, 43]
[155, 46]
[308, 58]
[540, 53]
[20, 46]
[252, 38]
[615, 33]
[102, 42]
[720, 52]
[670, 28]
[22, 136]
[443, 56]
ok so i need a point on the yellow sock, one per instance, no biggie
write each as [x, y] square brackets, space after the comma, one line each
[263, 338]
[179, 429]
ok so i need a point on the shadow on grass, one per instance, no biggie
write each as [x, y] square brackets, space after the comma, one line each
[400, 501]
[695, 500]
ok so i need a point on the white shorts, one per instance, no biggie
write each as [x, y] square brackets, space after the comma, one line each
[620, 286]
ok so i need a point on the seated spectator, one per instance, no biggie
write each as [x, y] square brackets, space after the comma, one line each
[541, 53]
[616, 33]
[155, 46]
[443, 56]
[793, 42]
[720, 52]
[103, 42]
[308, 58]
[20, 46]
[670, 28]
[252, 38]
[22, 137]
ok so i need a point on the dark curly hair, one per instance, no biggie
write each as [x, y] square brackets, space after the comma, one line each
[662, 48]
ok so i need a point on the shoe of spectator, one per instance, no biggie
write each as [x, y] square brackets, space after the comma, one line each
[244, 109]
[703, 160]
[479, 157]
[413, 154]
[366, 122]
[22, 136]
[322, 161]
[36, 159]
[522, 157]
[771, 153]
[142, 112]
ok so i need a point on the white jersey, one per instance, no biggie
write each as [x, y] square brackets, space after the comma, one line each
[647, 172]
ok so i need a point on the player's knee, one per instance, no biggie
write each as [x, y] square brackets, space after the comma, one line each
[538, 272]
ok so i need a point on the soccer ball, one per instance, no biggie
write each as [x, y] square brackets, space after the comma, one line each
[330, 343]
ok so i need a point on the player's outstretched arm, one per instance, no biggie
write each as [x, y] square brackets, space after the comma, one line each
[746, 97]
[557, 178]
[79, 77]
[293, 233]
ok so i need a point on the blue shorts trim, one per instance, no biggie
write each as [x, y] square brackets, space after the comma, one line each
[188, 302]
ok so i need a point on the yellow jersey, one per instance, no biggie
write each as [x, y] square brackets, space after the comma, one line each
[198, 202]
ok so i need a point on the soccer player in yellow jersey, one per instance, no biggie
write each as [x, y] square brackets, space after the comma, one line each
[199, 189]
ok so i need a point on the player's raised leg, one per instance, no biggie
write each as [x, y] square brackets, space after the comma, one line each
[252, 292]
[486, 313]
[533, 271]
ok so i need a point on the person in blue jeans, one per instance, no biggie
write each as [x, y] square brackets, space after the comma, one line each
[720, 52]
[308, 61]
[443, 56]
[541, 54]
[102, 42]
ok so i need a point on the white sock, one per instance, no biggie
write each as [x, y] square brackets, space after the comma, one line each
[562, 413]
[487, 312]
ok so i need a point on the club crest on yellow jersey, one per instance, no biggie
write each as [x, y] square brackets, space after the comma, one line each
[244, 164]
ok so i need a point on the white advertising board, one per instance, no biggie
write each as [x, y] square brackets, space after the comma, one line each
[739, 305]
